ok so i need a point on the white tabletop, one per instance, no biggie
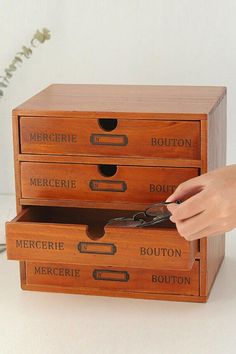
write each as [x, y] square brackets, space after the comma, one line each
[46, 323]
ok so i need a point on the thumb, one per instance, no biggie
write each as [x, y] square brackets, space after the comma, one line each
[186, 189]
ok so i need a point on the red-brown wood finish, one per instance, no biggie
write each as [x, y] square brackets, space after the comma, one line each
[67, 132]
[114, 137]
[95, 277]
[130, 184]
[82, 236]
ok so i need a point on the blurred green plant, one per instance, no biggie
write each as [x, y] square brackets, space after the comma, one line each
[24, 53]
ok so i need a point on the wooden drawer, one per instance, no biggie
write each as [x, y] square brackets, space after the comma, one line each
[79, 277]
[73, 235]
[101, 183]
[110, 137]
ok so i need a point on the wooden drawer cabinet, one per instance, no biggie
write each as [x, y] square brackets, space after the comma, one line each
[110, 136]
[87, 153]
[81, 236]
[137, 184]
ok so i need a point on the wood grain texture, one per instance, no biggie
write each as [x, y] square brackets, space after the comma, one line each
[76, 203]
[77, 277]
[144, 105]
[16, 149]
[141, 101]
[121, 137]
[115, 160]
[216, 152]
[131, 184]
[114, 294]
[203, 241]
[81, 236]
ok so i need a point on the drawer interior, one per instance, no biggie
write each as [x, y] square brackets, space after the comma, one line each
[94, 219]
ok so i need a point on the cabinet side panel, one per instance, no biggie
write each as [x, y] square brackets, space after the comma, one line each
[16, 147]
[216, 158]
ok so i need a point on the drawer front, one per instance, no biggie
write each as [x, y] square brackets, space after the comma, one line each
[128, 279]
[112, 137]
[161, 248]
[102, 183]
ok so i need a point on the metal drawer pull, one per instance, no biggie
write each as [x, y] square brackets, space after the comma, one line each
[109, 139]
[112, 275]
[107, 186]
[97, 248]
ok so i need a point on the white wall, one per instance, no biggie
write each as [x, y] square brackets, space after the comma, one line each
[108, 41]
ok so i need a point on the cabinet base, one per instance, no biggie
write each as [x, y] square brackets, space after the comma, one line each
[40, 284]
[122, 294]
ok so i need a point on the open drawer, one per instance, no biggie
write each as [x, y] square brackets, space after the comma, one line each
[79, 235]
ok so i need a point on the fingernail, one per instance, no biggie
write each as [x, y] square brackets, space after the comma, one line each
[172, 219]
[168, 199]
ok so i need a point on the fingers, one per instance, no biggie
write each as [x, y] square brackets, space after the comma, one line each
[207, 232]
[190, 207]
[199, 226]
[193, 226]
[187, 189]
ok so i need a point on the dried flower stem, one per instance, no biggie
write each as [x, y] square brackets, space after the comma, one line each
[24, 53]
[2, 247]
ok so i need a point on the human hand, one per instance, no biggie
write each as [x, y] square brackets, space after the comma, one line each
[209, 204]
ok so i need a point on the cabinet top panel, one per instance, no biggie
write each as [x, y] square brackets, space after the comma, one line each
[129, 101]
